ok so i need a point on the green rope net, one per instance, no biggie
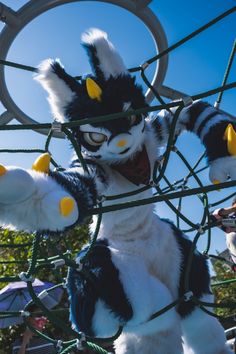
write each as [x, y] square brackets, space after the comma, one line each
[164, 190]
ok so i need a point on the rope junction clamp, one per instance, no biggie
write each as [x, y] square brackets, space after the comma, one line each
[64, 285]
[56, 126]
[174, 148]
[24, 313]
[58, 263]
[154, 184]
[59, 345]
[101, 199]
[187, 101]
[27, 278]
[200, 230]
[80, 342]
[188, 296]
[144, 66]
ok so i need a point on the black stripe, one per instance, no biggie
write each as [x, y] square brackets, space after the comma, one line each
[93, 167]
[69, 80]
[199, 278]
[104, 284]
[82, 188]
[93, 60]
[194, 111]
[202, 125]
[158, 129]
[216, 146]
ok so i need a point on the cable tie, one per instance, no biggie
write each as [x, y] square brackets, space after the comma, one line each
[81, 341]
[27, 278]
[59, 345]
[187, 101]
[24, 313]
[144, 65]
[188, 296]
[58, 263]
[56, 126]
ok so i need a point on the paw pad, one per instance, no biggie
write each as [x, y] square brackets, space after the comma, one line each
[66, 206]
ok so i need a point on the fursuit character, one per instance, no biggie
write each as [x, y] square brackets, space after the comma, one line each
[138, 261]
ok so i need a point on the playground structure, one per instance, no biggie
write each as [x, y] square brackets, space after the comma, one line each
[164, 190]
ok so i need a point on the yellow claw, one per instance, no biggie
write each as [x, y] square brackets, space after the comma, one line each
[66, 206]
[3, 170]
[42, 163]
[216, 181]
[94, 91]
[230, 137]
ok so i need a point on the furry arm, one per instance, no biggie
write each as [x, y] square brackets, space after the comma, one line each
[36, 201]
[216, 130]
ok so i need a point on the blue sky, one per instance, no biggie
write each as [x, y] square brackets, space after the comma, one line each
[196, 66]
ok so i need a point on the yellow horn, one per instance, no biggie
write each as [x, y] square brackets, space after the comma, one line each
[94, 91]
[230, 136]
[42, 163]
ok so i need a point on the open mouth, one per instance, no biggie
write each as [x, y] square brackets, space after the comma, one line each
[123, 152]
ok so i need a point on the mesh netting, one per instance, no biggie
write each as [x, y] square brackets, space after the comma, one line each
[164, 190]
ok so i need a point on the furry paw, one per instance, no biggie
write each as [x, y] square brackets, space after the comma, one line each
[33, 201]
[16, 185]
[223, 168]
[60, 211]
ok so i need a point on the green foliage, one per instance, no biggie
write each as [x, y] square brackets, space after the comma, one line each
[224, 293]
[15, 253]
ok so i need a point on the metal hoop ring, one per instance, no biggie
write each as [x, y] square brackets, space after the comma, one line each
[16, 21]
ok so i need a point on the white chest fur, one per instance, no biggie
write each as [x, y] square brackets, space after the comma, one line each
[138, 230]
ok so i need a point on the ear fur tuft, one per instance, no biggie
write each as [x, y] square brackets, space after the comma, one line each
[60, 86]
[104, 59]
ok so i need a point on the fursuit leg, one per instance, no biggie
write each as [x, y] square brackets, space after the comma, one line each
[167, 342]
[203, 334]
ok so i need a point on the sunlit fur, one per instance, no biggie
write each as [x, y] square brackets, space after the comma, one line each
[144, 256]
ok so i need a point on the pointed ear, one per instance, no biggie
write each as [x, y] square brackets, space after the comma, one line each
[61, 87]
[104, 59]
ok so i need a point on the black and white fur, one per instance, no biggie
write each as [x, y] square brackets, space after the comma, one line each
[138, 262]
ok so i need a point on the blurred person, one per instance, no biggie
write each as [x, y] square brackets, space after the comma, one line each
[31, 342]
[227, 218]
